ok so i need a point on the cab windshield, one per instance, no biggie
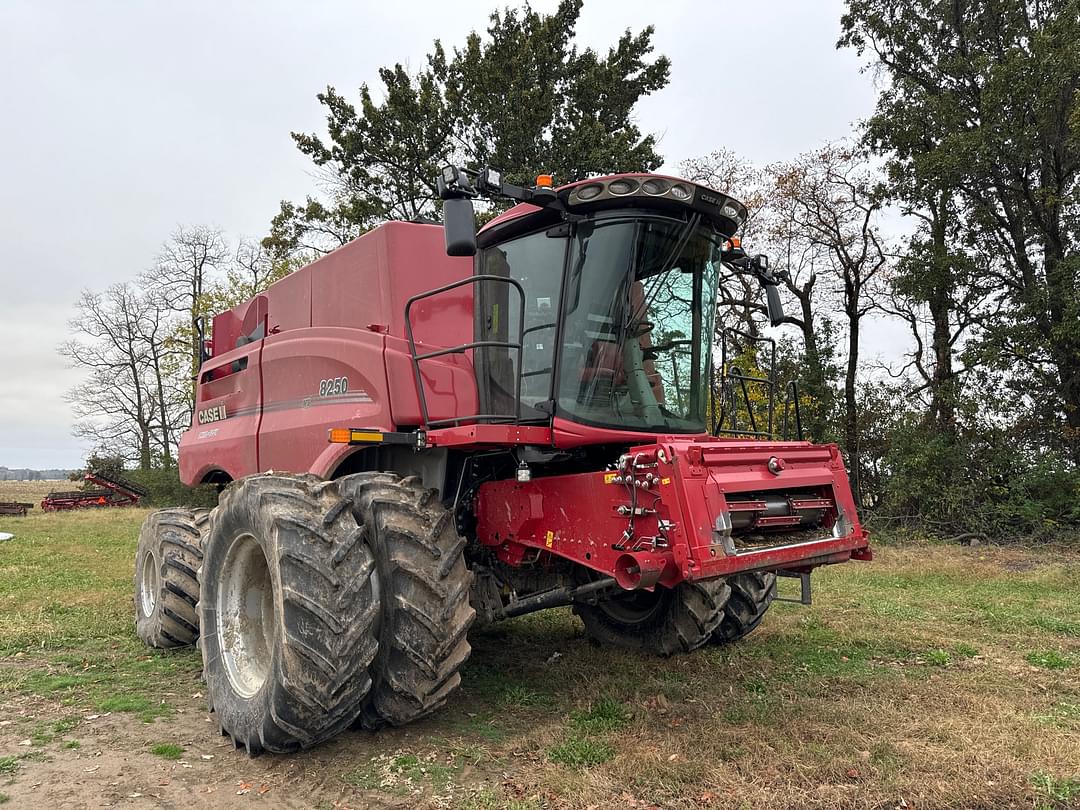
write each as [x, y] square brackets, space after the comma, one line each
[634, 346]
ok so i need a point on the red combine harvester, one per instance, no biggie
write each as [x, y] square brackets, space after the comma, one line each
[114, 491]
[474, 427]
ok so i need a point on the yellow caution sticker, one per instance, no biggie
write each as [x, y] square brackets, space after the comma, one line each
[665, 481]
[609, 478]
[550, 539]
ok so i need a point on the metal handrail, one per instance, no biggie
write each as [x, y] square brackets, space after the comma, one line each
[464, 347]
[734, 376]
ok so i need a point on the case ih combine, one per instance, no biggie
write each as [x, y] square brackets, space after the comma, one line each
[474, 427]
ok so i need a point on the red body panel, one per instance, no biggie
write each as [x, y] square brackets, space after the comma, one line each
[339, 318]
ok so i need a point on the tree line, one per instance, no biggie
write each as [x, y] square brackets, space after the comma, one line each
[951, 214]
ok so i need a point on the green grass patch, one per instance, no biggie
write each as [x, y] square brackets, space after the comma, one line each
[581, 751]
[167, 750]
[938, 658]
[4, 798]
[73, 744]
[607, 714]
[1054, 625]
[8, 765]
[1048, 659]
[1061, 792]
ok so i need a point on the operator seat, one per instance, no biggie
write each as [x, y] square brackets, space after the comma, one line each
[604, 366]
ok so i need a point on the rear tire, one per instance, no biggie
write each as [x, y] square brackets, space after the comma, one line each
[166, 587]
[288, 609]
[664, 622]
[751, 595]
[424, 585]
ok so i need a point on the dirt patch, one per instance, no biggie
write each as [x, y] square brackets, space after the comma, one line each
[115, 765]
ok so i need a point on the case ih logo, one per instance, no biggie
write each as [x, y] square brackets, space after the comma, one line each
[215, 414]
[711, 199]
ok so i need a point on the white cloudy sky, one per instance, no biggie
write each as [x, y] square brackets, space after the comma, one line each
[120, 120]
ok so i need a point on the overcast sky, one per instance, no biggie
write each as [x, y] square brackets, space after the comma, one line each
[122, 120]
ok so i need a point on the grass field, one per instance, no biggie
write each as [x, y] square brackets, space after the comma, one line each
[933, 677]
[32, 491]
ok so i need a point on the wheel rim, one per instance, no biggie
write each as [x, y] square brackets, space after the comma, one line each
[245, 616]
[149, 584]
[635, 607]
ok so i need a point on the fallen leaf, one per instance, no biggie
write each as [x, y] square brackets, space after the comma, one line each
[673, 757]
[207, 756]
[25, 742]
[852, 773]
[263, 789]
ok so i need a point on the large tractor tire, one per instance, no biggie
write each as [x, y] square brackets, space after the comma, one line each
[663, 621]
[424, 589]
[289, 609]
[751, 595]
[166, 587]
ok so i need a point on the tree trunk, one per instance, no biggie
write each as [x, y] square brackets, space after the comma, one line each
[851, 412]
[942, 384]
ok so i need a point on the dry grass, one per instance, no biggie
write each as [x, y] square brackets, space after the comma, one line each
[32, 491]
[938, 676]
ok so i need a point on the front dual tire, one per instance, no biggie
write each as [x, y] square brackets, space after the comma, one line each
[325, 604]
[289, 613]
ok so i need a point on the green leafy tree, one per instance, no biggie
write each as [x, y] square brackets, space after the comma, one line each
[982, 117]
[524, 98]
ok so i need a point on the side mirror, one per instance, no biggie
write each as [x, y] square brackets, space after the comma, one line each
[459, 224]
[773, 305]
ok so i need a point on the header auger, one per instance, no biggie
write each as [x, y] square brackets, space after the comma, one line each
[477, 426]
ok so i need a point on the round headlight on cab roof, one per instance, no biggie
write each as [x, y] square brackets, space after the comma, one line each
[589, 191]
[730, 211]
[622, 187]
[655, 186]
[681, 192]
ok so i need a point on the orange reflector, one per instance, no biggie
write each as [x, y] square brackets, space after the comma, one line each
[736, 243]
[545, 180]
[365, 436]
[353, 436]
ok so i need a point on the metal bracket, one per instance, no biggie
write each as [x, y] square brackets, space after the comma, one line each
[805, 596]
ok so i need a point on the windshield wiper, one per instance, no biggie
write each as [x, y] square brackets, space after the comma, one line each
[635, 319]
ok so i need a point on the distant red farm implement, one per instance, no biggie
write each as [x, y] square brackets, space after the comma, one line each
[113, 491]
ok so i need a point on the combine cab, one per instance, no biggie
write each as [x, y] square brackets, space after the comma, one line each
[475, 427]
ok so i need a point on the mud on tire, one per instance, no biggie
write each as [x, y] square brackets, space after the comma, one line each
[166, 588]
[751, 595]
[288, 610]
[665, 621]
[424, 587]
